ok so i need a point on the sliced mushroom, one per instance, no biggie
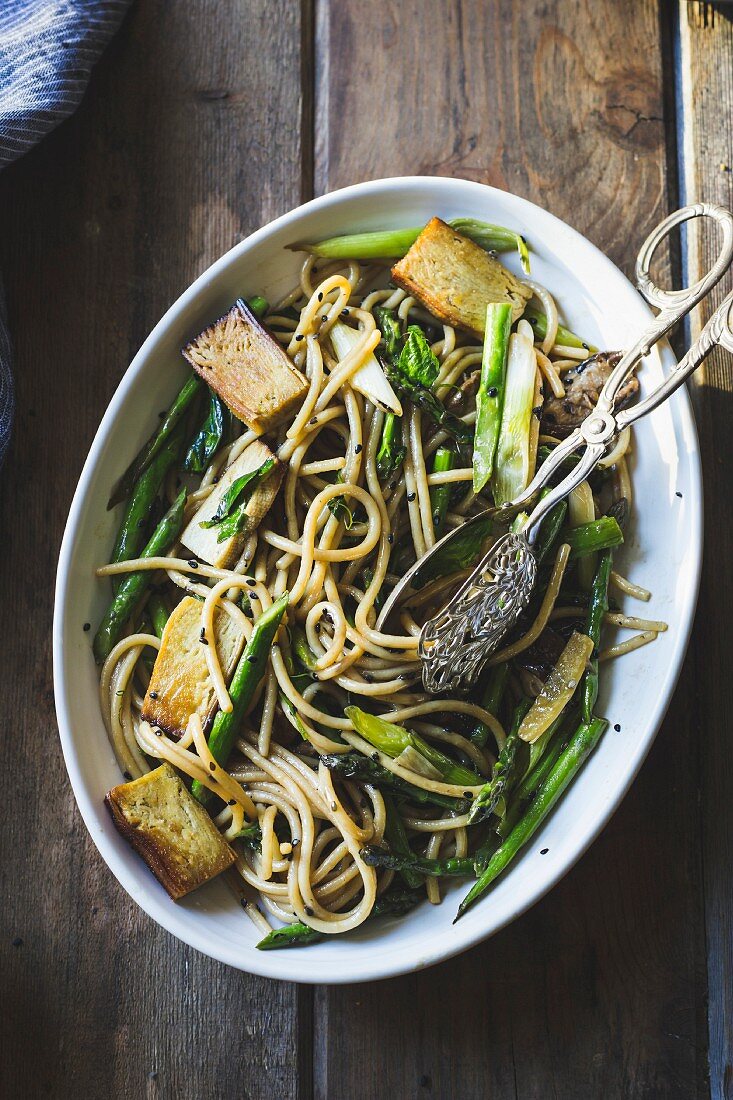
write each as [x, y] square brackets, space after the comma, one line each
[583, 385]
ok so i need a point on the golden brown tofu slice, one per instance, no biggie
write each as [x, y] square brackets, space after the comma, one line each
[180, 684]
[456, 278]
[204, 541]
[170, 830]
[249, 370]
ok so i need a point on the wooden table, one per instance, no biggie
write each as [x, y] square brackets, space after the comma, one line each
[205, 119]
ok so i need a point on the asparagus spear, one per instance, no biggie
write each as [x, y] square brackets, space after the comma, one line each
[394, 903]
[490, 794]
[392, 244]
[597, 608]
[391, 451]
[568, 339]
[258, 305]
[158, 613]
[444, 459]
[580, 746]
[292, 935]
[353, 765]
[546, 757]
[131, 534]
[600, 534]
[550, 529]
[247, 675]
[490, 396]
[154, 445]
[396, 837]
[408, 861]
[493, 694]
[134, 584]
[512, 465]
[393, 740]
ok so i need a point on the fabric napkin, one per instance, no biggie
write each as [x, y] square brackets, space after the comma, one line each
[47, 50]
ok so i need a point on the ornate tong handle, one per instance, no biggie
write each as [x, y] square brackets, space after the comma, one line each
[673, 305]
[602, 426]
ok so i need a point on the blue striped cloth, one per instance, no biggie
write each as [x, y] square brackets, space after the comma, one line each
[47, 49]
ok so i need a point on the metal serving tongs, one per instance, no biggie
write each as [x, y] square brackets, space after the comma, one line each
[455, 644]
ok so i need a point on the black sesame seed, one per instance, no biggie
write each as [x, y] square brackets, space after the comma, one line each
[231, 802]
[544, 851]
[678, 494]
[344, 313]
[161, 416]
[411, 497]
[492, 391]
[295, 841]
[216, 480]
[617, 727]
[368, 677]
[390, 539]
[212, 765]
[308, 910]
[320, 296]
[467, 794]
[193, 563]
[392, 486]
[251, 582]
[253, 659]
[586, 347]
[127, 776]
[313, 420]
[300, 336]
[324, 318]
[375, 756]
[87, 626]
[358, 449]
[153, 694]
[334, 807]
[204, 641]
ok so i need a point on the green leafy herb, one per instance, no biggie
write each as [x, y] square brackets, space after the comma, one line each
[230, 517]
[209, 437]
[250, 835]
[417, 363]
[412, 369]
[391, 333]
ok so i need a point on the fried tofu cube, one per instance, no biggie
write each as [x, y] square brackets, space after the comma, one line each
[204, 541]
[455, 278]
[249, 370]
[180, 684]
[170, 830]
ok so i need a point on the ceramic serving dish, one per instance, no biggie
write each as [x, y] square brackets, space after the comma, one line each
[662, 552]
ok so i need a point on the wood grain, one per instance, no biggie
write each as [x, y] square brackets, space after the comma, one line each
[189, 138]
[198, 127]
[706, 39]
[599, 991]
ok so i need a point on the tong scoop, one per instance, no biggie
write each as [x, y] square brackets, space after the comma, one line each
[455, 644]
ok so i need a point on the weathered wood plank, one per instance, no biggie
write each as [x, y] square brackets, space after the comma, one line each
[706, 38]
[188, 139]
[599, 990]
